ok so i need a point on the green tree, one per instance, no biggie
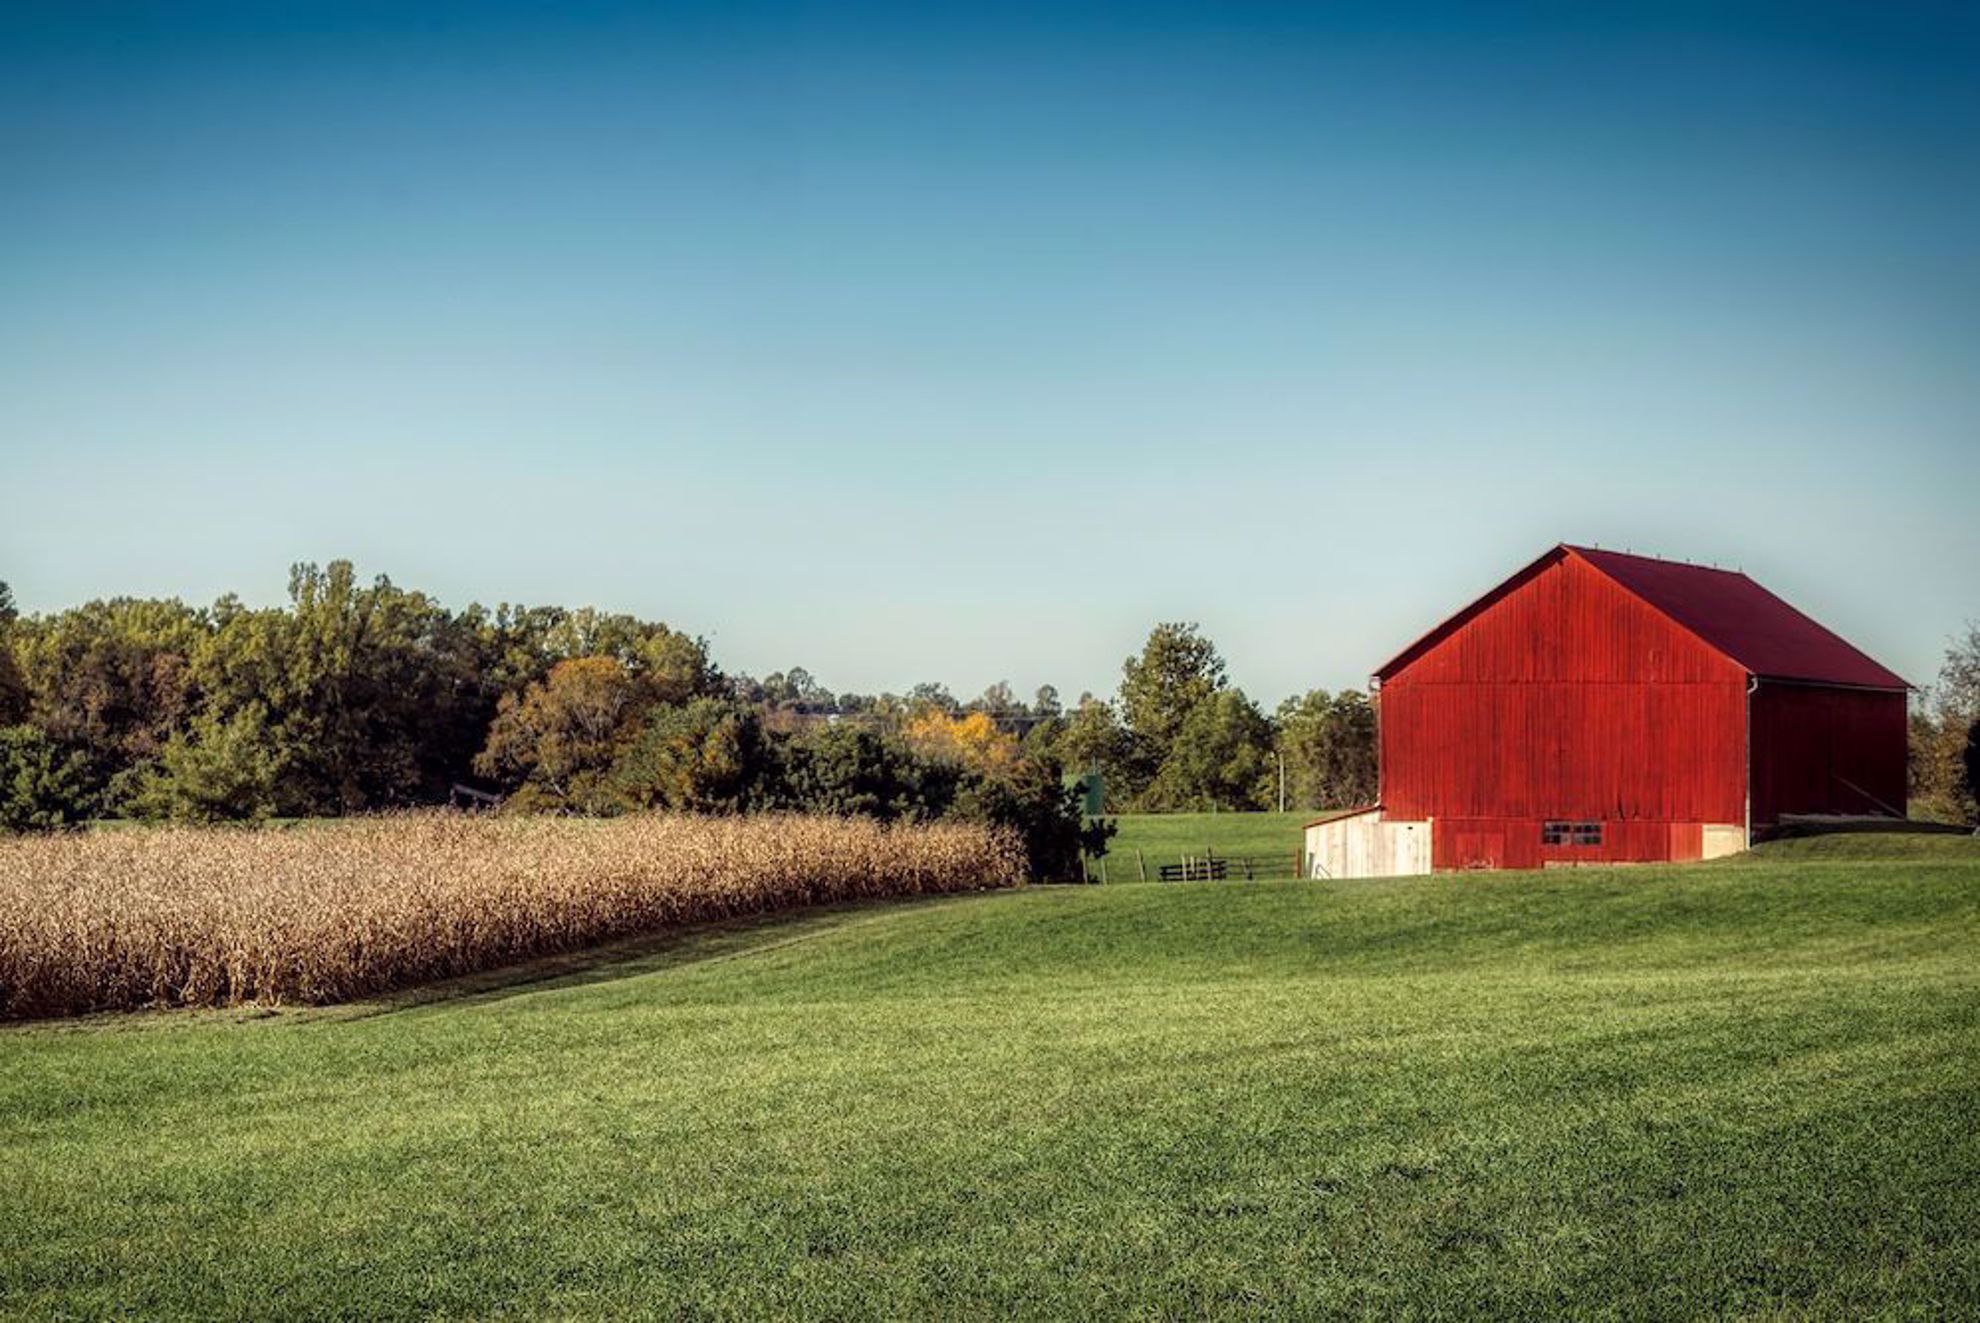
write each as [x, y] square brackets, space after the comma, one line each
[669, 666]
[1328, 743]
[364, 689]
[512, 644]
[794, 691]
[556, 743]
[857, 772]
[42, 786]
[514, 647]
[13, 688]
[221, 769]
[1176, 670]
[854, 704]
[1041, 738]
[368, 695]
[1093, 740]
[1973, 760]
[1941, 785]
[930, 695]
[1220, 758]
[706, 756]
[376, 676]
[1033, 800]
[997, 701]
[111, 680]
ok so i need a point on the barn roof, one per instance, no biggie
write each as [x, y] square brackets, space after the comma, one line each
[1728, 611]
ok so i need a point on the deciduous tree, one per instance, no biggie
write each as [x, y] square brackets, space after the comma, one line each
[1032, 799]
[848, 770]
[973, 741]
[1941, 720]
[998, 700]
[1973, 760]
[1175, 671]
[1220, 758]
[13, 689]
[1328, 743]
[220, 769]
[111, 680]
[557, 742]
[1094, 741]
[41, 785]
[706, 756]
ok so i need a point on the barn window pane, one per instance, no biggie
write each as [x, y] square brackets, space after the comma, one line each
[1570, 833]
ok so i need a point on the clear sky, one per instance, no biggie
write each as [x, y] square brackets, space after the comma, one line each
[908, 348]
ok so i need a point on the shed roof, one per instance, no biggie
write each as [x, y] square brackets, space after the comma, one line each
[1728, 611]
[1337, 815]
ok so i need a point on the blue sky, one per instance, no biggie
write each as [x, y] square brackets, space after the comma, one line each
[907, 348]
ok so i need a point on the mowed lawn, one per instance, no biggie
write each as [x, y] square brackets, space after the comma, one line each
[1748, 1087]
[1272, 840]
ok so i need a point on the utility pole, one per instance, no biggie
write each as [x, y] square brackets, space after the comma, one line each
[1280, 755]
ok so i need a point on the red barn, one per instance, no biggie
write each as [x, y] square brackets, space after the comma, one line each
[1605, 707]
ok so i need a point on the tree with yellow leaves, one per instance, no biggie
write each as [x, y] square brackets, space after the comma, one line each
[972, 741]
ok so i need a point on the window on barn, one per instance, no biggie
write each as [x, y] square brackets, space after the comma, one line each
[1570, 833]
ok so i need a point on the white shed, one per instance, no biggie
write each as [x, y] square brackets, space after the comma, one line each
[1363, 843]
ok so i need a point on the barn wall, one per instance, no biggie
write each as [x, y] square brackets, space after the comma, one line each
[1824, 750]
[1567, 697]
[1461, 843]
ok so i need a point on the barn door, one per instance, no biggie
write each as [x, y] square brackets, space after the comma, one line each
[1481, 849]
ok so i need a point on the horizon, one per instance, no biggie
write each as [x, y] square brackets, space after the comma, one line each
[965, 349]
[1024, 692]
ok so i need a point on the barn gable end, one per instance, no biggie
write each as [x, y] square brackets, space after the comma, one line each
[1565, 698]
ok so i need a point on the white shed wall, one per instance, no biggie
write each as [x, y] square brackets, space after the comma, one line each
[1366, 845]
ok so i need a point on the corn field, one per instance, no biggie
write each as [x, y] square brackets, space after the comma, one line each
[185, 916]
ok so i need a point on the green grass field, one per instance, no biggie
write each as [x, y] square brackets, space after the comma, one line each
[1749, 1087]
[1274, 840]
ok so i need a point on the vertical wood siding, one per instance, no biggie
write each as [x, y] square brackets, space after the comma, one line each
[1459, 843]
[1567, 697]
[1824, 750]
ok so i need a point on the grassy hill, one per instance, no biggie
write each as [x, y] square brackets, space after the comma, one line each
[1272, 840]
[1745, 1087]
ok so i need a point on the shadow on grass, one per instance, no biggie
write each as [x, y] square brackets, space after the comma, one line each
[691, 944]
[695, 944]
[1492, 911]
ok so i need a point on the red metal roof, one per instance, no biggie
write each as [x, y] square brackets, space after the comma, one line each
[1743, 620]
[1729, 611]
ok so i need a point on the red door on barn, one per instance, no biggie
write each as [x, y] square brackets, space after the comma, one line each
[1481, 849]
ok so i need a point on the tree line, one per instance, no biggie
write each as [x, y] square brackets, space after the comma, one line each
[356, 697]
[362, 696]
[1945, 737]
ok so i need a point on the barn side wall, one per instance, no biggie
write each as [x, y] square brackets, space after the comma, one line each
[1825, 750]
[1566, 698]
[1461, 843]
